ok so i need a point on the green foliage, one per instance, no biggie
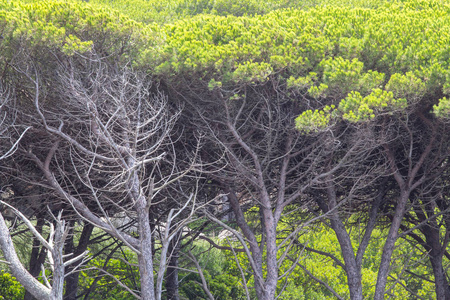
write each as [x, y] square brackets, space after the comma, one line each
[161, 12]
[349, 49]
[252, 72]
[442, 109]
[169, 11]
[326, 52]
[222, 283]
[341, 74]
[223, 286]
[322, 238]
[313, 36]
[406, 86]
[406, 255]
[106, 287]
[310, 121]
[10, 288]
[358, 59]
[69, 26]
[356, 108]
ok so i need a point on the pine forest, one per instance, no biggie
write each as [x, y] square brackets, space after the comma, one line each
[224, 149]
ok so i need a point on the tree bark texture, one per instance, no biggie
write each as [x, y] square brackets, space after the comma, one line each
[435, 253]
[145, 257]
[31, 284]
[352, 268]
[389, 245]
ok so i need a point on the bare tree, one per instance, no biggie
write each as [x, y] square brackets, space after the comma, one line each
[109, 150]
[10, 132]
[54, 246]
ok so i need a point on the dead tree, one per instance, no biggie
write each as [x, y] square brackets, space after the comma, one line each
[109, 150]
[54, 246]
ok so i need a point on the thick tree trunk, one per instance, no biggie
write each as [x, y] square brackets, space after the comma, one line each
[145, 257]
[172, 269]
[352, 268]
[433, 241]
[72, 279]
[440, 279]
[271, 254]
[58, 263]
[388, 248]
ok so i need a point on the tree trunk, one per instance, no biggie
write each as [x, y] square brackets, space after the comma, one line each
[271, 254]
[172, 269]
[352, 269]
[30, 283]
[58, 266]
[388, 248]
[433, 240]
[440, 279]
[145, 256]
[256, 252]
[37, 256]
[72, 279]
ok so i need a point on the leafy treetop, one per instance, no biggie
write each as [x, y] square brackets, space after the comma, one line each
[364, 60]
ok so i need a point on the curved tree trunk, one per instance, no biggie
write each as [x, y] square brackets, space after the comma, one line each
[30, 283]
[352, 269]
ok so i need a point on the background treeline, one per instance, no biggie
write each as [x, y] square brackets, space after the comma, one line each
[224, 149]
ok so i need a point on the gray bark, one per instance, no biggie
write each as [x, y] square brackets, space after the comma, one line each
[145, 257]
[58, 263]
[352, 267]
[172, 269]
[436, 252]
[254, 247]
[389, 245]
[31, 284]
[440, 278]
[406, 185]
